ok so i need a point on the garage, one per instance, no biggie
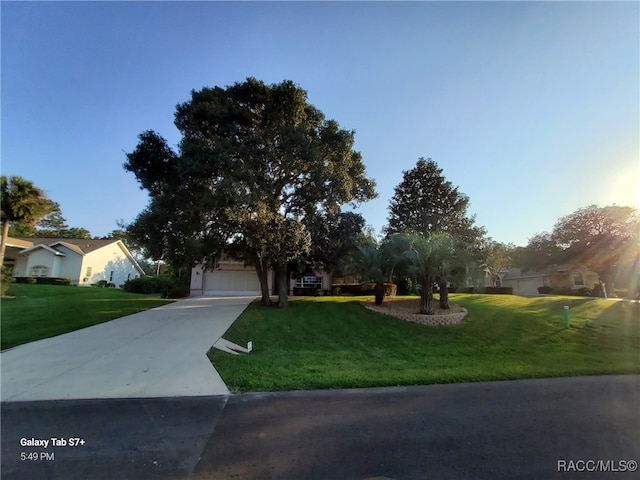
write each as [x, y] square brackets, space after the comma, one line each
[231, 282]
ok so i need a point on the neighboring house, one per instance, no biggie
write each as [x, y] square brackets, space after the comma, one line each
[566, 276]
[233, 278]
[83, 261]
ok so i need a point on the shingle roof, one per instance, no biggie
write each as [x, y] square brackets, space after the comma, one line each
[80, 245]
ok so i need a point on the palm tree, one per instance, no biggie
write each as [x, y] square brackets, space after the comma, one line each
[377, 262]
[458, 266]
[21, 202]
[428, 254]
[440, 258]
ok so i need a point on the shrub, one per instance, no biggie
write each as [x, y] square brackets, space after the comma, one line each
[545, 289]
[584, 292]
[44, 280]
[148, 284]
[305, 291]
[404, 286]
[467, 290]
[499, 290]
[178, 291]
[7, 279]
[580, 292]
[346, 289]
[390, 289]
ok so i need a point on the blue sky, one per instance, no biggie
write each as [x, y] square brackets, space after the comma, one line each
[531, 109]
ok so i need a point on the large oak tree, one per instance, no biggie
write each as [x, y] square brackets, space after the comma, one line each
[255, 163]
[604, 239]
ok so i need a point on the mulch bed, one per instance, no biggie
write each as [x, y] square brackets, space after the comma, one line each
[409, 311]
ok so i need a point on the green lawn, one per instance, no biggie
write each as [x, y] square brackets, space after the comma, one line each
[333, 342]
[42, 311]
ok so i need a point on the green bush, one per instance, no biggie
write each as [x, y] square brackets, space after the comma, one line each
[545, 289]
[7, 280]
[579, 292]
[44, 280]
[404, 285]
[499, 290]
[179, 291]
[164, 284]
[306, 291]
[598, 290]
[357, 289]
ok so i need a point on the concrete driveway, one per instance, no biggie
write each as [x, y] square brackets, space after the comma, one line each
[156, 353]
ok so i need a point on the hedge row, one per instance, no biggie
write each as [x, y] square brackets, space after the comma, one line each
[307, 291]
[488, 290]
[390, 289]
[499, 290]
[576, 292]
[44, 280]
[165, 285]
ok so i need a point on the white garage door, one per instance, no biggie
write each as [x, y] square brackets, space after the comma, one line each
[231, 282]
[524, 286]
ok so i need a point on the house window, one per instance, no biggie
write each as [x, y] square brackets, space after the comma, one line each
[89, 270]
[309, 282]
[39, 271]
[578, 279]
[498, 281]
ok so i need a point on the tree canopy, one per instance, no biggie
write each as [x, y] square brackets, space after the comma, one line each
[333, 239]
[52, 225]
[252, 157]
[496, 256]
[425, 202]
[601, 238]
[22, 202]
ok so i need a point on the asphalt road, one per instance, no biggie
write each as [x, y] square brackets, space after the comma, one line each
[522, 429]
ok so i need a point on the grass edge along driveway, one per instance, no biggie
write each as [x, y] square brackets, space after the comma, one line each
[334, 342]
[42, 311]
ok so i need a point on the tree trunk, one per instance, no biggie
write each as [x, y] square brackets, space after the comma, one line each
[283, 285]
[426, 296]
[444, 296]
[263, 273]
[3, 242]
[379, 293]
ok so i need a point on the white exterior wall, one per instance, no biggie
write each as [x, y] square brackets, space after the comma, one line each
[110, 258]
[70, 265]
[40, 257]
[20, 267]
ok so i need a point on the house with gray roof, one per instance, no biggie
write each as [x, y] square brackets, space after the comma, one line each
[84, 261]
[566, 276]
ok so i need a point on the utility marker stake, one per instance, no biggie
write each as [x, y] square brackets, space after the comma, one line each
[567, 322]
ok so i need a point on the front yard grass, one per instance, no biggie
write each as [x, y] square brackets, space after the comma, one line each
[334, 342]
[42, 311]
